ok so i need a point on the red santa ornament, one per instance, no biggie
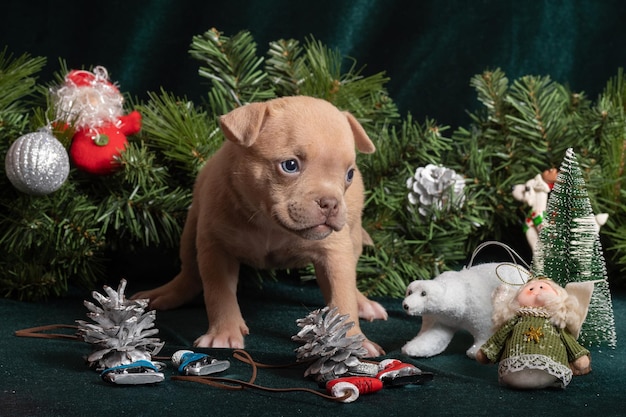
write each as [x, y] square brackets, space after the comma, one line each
[93, 107]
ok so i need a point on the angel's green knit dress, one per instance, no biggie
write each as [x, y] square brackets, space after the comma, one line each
[530, 344]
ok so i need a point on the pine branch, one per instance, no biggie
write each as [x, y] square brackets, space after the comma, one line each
[285, 68]
[409, 144]
[18, 81]
[606, 121]
[181, 132]
[141, 205]
[233, 68]
[18, 77]
[144, 217]
[520, 131]
[365, 97]
[317, 71]
[540, 128]
[408, 245]
[491, 88]
[48, 242]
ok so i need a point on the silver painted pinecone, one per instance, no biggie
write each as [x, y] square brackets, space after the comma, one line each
[435, 187]
[324, 343]
[122, 330]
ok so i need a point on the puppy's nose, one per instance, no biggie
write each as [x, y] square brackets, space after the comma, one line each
[329, 205]
[405, 306]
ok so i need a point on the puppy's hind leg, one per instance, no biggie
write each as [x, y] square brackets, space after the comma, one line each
[187, 284]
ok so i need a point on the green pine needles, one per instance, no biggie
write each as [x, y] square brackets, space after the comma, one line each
[521, 128]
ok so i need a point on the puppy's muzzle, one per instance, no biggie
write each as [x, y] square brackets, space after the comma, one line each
[329, 206]
[313, 219]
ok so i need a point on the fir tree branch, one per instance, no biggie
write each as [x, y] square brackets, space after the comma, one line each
[179, 131]
[18, 80]
[491, 88]
[233, 68]
[48, 242]
[285, 68]
[141, 205]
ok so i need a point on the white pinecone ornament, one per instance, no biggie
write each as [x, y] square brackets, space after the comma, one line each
[122, 332]
[333, 354]
[435, 187]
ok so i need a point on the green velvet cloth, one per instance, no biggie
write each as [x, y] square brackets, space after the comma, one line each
[40, 377]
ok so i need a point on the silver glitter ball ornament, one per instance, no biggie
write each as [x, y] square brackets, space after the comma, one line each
[37, 163]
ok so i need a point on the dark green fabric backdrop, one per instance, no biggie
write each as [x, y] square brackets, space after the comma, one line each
[429, 48]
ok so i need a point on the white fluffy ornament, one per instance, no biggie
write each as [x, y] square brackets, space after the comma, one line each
[37, 163]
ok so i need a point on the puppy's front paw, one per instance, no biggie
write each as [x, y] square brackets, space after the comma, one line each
[207, 340]
[223, 339]
[373, 349]
[371, 310]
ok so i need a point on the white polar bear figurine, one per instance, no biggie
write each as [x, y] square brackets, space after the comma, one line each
[456, 300]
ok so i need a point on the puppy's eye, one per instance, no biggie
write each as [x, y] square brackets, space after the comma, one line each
[290, 166]
[423, 293]
[350, 175]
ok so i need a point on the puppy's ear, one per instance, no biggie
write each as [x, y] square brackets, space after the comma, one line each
[243, 124]
[362, 141]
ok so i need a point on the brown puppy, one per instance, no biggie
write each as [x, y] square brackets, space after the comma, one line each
[283, 192]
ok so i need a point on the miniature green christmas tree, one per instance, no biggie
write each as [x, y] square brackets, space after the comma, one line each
[569, 250]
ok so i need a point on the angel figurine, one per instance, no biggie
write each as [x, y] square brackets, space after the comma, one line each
[536, 330]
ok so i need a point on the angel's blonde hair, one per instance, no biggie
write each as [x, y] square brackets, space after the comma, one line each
[562, 309]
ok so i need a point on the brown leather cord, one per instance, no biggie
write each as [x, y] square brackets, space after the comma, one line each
[37, 332]
[243, 356]
[218, 382]
[235, 384]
